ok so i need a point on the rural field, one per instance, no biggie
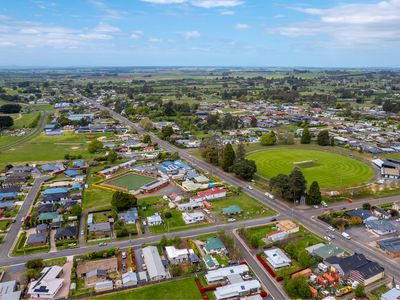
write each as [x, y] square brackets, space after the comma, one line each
[329, 169]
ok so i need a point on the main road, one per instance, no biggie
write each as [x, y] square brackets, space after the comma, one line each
[392, 268]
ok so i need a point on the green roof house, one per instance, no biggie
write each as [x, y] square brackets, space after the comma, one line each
[328, 250]
[49, 216]
[214, 245]
[232, 210]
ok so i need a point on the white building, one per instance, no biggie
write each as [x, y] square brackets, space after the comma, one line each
[223, 273]
[129, 279]
[48, 285]
[191, 218]
[176, 256]
[277, 258]
[155, 267]
[8, 291]
[154, 220]
[103, 286]
[236, 290]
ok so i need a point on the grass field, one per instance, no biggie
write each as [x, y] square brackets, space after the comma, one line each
[177, 289]
[329, 169]
[130, 181]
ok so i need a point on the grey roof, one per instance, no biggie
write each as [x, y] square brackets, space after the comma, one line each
[361, 213]
[66, 232]
[131, 215]
[381, 225]
[370, 269]
[105, 226]
[37, 238]
[153, 262]
[391, 245]
[97, 273]
[129, 277]
[356, 262]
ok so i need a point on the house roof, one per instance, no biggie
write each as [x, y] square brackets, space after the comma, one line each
[349, 263]
[48, 216]
[153, 262]
[105, 226]
[214, 243]
[391, 245]
[232, 210]
[361, 213]
[327, 251]
[37, 238]
[97, 273]
[66, 232]
[129, 277]
[370, 269]
[381, 225]
[55, 191]
[131, 215]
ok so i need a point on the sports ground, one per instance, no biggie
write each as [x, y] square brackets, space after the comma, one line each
[128, 181]
[329, 169]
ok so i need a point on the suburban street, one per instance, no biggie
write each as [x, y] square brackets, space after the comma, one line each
[11, 237]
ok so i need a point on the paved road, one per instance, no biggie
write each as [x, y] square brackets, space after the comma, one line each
[35, 132]
[314, 225]
[11, 236]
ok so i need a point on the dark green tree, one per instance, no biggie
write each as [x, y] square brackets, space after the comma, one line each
[245, 169]
[305, 136]
[122, 201]
[10, 108]
[323, 138]
[166, 132]
[95, 146]
[366, 206]
[297, 184]
[314, 194]
[280, 185]
[211, 154]
[297, 287]
[359, 291]
[112, 156]
[228, 157]
[146, 139]
[240, 152]
[6, 121]
[76, 210]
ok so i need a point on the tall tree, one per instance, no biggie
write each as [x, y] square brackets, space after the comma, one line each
[240, 152]
[268, 139]
[166, 132]
[253, 121]
[211, 154]
[228, 157]
[305, 136]
[280, 185]
[323, 138]
[314, 194]
[146, 124]
[297, 184]
[245, 169]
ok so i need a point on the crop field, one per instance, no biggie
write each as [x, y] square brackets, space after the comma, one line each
[329, 169]
[129, 181]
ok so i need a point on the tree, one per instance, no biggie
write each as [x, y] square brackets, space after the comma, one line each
[34, 264]
[280, 185]
[112, 156]
[146, 139]
[268, 139]
[305, 136]
[146, 124]
[122, 201]
[297, 287]
[6, 121]
[323, 138]
[228, 157]
[95, 146]
[359, 291]
[76, 210]
[254, 241]
[168, 215]
[240, 152]
[314, 194]
[166, 132]
[297, 184]
[10, 108]
[253, 121]
[366, 206]
[211, 154]
[32, 274]
[245, 169]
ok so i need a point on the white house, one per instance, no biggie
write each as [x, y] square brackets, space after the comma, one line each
[191, 218]
[176, 256]
[48, 285]
[155, 267]
[223, 273]
[154, 220]
[129, 279]
[237, 290]
[277, 258]
[213, 193]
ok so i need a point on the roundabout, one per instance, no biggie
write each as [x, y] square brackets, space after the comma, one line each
[329, 169]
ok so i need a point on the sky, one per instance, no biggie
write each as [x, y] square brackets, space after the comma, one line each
[259, 33]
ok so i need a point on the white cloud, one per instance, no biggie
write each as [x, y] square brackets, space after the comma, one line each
[102, 27]
[216, 3]
[227, 12]
[351, 25]
[137, 34]
[191, 34]
[154, 40]
[107, 11]
[242, 26]
[199, 3]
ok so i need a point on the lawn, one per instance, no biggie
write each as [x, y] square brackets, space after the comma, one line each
[101, 216]
[329, 169]
[4, 224]
[25, 120]
[130, 181]
[177, 289]
[251, 207]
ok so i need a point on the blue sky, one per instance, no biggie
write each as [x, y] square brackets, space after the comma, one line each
[329, 33]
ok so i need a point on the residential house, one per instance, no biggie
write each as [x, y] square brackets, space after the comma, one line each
[237, 290]
[8, 290]
[48, 285]
[288, 226]
[154, 186]
[232, 210]
[223, 273]
[277, 258]
[214, 245]
[103, 286]
[363, 214]
[356, 267]
[192, 218]
[129, 279]
[154, 220]
[277, 235]
[100, 228]
[37, 239]
[210, 194]
[211, 262]
[130, 216]
[176, 256]
[43, 228]
[66, 233]
[390, 246]
[381, 227]
[155, 267]
[94, 276]
[327, 250]
[393, 294]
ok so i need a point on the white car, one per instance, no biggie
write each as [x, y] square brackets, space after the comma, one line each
[82, 232]
[327, 238]
[316, 206]
[331, 228]
[249, 187]
[231, 220]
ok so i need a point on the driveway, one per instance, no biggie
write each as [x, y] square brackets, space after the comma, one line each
[67, 268]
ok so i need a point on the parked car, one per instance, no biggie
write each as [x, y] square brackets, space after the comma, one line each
[82, 232]
[331, 228]
[316, 206]
[123, 255]
[102, 244]
[231, 220]
[249, 187]
[327, 238]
